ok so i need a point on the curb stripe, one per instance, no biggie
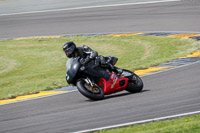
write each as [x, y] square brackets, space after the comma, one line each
[195, 54]
[181, 35]
[151, 70]
[36, 37]
[184, 35]
[40, 94]
[125, 34]
[167, 34]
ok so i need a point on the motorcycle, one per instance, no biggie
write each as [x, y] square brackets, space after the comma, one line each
[94, 82]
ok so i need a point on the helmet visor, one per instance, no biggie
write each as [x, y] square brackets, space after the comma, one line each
[68, 52]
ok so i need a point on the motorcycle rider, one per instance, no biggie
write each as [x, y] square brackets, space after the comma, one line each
[86, 54]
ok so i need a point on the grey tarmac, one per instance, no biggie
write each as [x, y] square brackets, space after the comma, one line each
[165, 93]
[182, 15]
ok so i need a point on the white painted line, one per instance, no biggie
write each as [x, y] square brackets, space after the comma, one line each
[89, 7]
[138, 122]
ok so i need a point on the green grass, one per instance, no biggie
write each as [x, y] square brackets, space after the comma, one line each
[188, 124]
[32, 65]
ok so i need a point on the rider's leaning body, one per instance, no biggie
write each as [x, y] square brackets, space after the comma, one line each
[86, 54]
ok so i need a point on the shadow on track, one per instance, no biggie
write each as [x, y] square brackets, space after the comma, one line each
[118, 95]
[122, 94]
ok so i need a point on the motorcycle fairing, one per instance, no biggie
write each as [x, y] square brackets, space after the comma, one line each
[113, 84]
[72, 67]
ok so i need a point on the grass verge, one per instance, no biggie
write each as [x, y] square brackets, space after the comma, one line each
[187, 124]
[32, 65]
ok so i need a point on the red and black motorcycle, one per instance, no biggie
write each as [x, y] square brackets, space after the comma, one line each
[94, 82]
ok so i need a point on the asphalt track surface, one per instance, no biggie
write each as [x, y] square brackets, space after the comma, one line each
[166, 93]
[24, 6]
[182, 15]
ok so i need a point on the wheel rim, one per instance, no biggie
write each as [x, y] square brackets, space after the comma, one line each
[91, 89]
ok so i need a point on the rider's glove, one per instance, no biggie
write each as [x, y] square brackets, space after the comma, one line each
[84, 61]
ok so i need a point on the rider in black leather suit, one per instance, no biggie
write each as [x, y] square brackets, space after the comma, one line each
[88, 54]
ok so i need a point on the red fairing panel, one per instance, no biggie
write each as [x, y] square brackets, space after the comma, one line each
[112, 85]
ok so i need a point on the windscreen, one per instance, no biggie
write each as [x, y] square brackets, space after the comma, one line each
[68, 63]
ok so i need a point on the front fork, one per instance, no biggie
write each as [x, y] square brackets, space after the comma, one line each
[89, 82]
[92, 87]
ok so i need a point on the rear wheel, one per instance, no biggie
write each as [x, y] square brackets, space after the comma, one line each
[93, 93]
[135, 83]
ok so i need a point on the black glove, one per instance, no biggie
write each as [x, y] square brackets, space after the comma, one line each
[84, 61]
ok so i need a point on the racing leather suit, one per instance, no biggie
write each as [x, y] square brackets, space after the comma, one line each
[88, 54]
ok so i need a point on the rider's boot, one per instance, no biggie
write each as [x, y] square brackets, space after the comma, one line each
[115, 69]
[106, 64]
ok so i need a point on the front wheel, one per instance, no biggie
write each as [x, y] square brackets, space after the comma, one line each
[93, 93]
[135, 83]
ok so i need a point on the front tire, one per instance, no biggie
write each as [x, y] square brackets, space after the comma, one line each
[86, 90]
[135, 83]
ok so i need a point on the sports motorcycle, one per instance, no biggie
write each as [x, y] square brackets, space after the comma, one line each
[94, 81]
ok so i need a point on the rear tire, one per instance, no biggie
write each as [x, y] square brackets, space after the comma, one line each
[135, 83]
[81, 85]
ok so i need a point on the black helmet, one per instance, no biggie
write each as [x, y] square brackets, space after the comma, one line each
[69, 48]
